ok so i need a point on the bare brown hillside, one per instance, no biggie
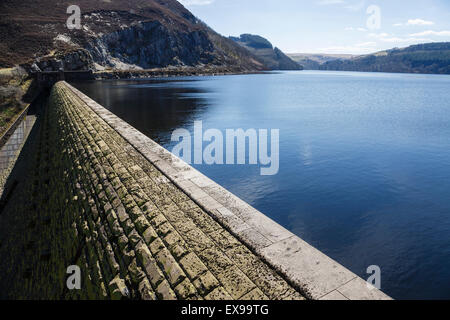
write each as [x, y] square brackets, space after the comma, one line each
[117, 34]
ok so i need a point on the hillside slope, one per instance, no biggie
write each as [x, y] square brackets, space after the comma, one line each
[312, 61]
[115, 34]
[272, 57]
[422, 58]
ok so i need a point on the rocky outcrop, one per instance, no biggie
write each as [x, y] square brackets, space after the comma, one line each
[77, 60]
[151, 45]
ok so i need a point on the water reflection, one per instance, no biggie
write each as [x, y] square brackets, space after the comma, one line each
[154, 107]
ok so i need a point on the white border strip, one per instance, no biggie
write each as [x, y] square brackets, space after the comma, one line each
[315, 274]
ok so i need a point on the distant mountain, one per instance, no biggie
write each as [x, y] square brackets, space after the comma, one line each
[115, 34]
[272, 57]
[422, 58]
[312, 61]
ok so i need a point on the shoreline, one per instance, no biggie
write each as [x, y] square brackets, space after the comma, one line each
[171, 72]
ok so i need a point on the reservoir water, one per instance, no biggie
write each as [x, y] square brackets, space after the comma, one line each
[364, 159]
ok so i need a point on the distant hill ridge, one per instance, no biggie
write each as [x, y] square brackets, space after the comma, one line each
[272, 57]
[432, 58]
[312, 61]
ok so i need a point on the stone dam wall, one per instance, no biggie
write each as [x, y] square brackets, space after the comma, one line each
[142, 224]
[94, 201]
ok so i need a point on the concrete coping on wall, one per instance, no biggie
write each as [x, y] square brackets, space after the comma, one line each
[315, 274]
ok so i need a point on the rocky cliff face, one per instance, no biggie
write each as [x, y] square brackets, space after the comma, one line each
[116, 34]
[149, 45]
[272, 57]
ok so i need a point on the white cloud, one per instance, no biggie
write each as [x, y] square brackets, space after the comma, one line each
[356, 6]
[196, 2]
[405, 40]
[431, 33]
[419, 22]
[366, 44]
[386, 37]
[349, 5]
[355, 29]
[415, 22]
[358, 48]
[330, 2]
[378, 35]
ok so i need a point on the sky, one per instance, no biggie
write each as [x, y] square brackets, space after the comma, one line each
[329, 26]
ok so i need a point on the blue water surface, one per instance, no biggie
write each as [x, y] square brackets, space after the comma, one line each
[364, 159]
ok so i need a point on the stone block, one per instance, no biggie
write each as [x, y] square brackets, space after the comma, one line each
[185, 290]
[170, 267]
[165, 292]
[235, 282]
[218, 294]
[192, 265]
[206, 283]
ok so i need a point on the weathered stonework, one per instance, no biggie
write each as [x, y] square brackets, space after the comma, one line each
[142, 224]
[95, 201]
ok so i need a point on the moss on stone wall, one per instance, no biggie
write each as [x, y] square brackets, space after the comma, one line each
[90, 199]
